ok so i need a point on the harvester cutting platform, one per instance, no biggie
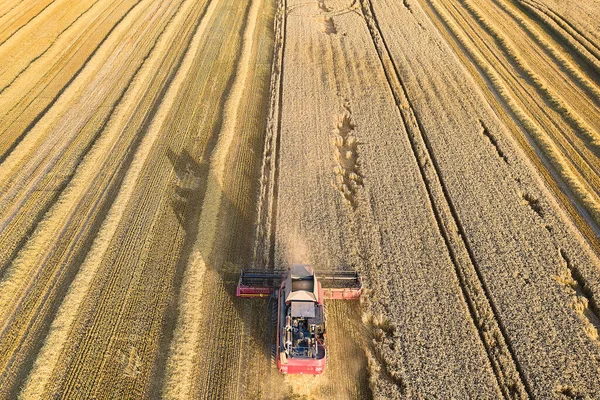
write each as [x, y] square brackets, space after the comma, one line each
[301, 347]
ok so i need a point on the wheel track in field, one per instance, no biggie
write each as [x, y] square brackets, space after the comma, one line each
[581, 127]
[64, 58]
[504, 363]
[6, 152]
[186, 373]
[562, 30]
[579, 76]
[569, 31]
[52, 249]
[100, 311]
[48, 356]
[31, 52]
[93, 140]
[95, 74]
[584, 161]
[89, 339]
[264, 238]
[17, 3]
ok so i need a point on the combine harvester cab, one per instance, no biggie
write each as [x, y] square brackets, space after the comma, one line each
[301, 347]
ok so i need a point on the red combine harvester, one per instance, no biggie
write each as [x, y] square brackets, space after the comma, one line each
[301, 347]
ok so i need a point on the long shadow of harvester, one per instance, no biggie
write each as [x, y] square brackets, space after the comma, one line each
[189, 173]
[235, 233]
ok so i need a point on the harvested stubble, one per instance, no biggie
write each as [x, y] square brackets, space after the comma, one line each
[76, 209]
[147, 254]
[37, 87]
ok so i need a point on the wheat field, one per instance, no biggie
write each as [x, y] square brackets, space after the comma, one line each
[448, 150]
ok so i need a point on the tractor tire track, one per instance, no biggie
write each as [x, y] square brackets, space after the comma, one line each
[580, 144]
[47, 358]
[337, 77]
[576, 33]
[91, 145]
[202, 286]
[66, 35]
[485, 189]
[579, 76]
[563, 30]
[133, 267]
[122, 284]
[7, 3]
[509, 374]
[559, 152]
[26, 55]
[561, 104]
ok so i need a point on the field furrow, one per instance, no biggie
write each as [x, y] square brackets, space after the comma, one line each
[17, 16]
[557, 25]
[483, 310]
[563, 150]
[9, 6]
[220, 352]
[557, 89]
[580, 17]
[169, 187]
[36, 35]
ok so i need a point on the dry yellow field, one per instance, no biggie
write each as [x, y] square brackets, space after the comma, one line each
[448, 150]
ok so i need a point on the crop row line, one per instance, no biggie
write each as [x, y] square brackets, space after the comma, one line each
[152, 188]
[37, 57]
[7, 3]
[181, 375]
[564, 31]
[18, 137]
[577, 34]
[581, 162]
[44, 226]
[36, 209]
[512, 103]
[113, 286]
[18, 271]
[551, 49]
[264, 241]
[25, 24]
[555, 100]
[68, 312]
[483, 312]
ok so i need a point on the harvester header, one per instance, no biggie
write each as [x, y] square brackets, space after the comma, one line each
[301, 347]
